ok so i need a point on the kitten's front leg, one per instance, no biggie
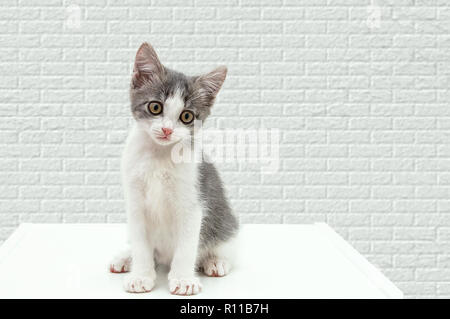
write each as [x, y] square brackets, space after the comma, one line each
[182, 279]
[142, 276]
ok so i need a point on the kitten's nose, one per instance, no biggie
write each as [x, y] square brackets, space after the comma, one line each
[167, 131]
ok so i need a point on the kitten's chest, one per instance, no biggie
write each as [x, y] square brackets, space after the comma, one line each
[159, 186]
[164, 185]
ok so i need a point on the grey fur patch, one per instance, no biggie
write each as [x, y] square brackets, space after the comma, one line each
[170, 82]
[219, 223]
[152, 81]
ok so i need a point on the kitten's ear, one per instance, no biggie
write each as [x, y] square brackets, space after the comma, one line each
[211, 83]
[147, 67]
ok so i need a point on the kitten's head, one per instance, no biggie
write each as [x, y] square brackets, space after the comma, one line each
[165, 103]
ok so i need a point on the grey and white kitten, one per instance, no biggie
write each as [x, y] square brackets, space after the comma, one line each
[177, 211]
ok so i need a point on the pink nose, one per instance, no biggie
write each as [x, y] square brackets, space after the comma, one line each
[167, 131]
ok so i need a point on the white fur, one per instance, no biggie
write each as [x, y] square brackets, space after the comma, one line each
[163, 209]
[164, 213]
[217, 262]
[121, 262]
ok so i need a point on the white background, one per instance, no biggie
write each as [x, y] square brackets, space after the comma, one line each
[359, 93]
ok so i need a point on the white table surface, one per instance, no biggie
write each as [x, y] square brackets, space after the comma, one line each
[275, 261]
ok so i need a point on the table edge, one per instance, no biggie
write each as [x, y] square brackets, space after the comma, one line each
[14, 239]
[386, 286]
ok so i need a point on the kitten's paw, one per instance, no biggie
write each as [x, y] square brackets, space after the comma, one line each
[138, 283]
[216, 267]
[185, 286]
[119, 265]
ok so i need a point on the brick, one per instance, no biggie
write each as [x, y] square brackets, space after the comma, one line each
[361, 109]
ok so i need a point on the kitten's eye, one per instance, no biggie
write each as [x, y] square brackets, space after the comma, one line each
[155, 108]
[187, 117]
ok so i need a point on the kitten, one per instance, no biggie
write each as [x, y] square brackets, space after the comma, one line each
[177, 212]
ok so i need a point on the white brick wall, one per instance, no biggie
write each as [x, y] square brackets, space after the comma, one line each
[362, 105]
